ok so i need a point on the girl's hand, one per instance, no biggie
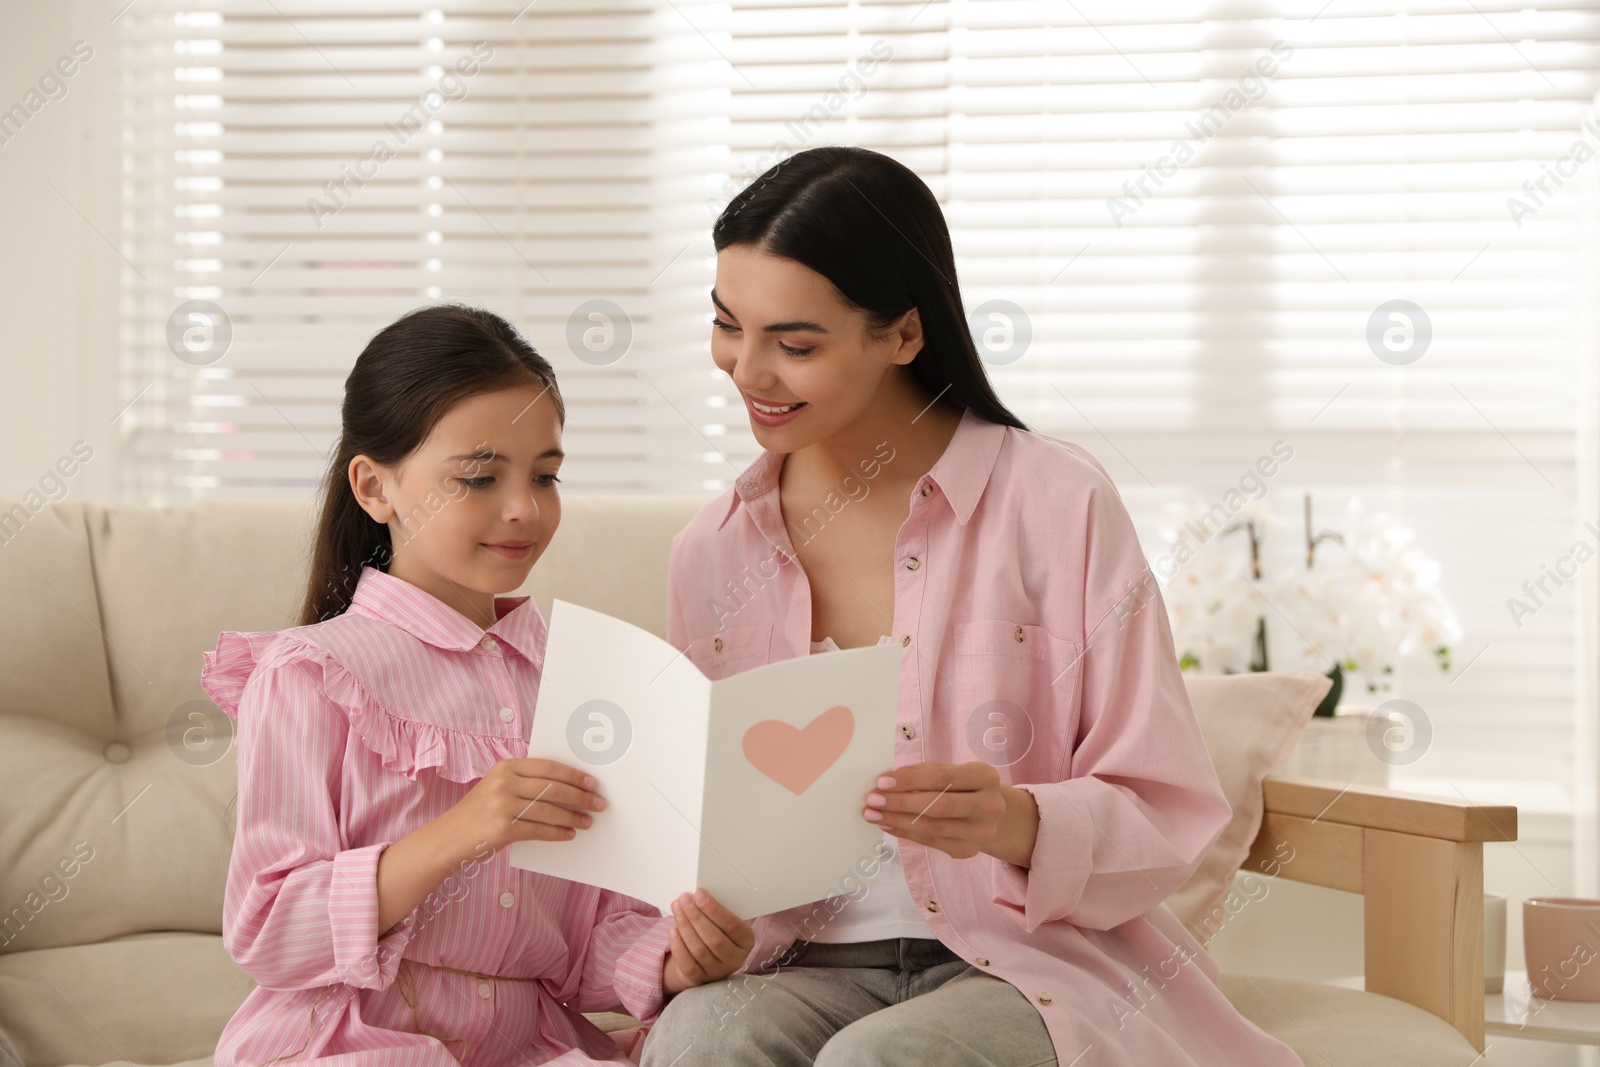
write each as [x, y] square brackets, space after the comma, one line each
[959, 809]
[524, 800]
[709, 943]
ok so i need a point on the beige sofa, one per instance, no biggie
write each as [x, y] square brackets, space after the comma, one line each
[116, 781]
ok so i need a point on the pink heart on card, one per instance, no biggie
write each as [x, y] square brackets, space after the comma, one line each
[796, 758]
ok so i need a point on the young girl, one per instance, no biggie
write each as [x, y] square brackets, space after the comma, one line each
[379, 745]
[1051, 786]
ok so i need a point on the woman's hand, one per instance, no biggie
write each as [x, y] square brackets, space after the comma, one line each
[960, 809]
[524, 800]
[709, 943]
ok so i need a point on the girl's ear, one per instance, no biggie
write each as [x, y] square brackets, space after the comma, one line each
[908, 334]
[369, 483]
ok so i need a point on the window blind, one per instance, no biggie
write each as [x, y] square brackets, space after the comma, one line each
[1179, 227]
[1183, 220]
[311, 171]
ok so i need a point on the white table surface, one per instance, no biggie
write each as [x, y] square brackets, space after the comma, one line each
[1515, 1012]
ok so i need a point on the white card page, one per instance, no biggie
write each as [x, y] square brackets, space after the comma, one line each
[751, 786]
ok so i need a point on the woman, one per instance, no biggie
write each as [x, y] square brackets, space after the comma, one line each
[1051, 786]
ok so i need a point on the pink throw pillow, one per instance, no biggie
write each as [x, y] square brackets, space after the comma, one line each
[1250, 722]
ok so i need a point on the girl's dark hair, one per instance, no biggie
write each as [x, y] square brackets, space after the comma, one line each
[870, 226]
[411, 373]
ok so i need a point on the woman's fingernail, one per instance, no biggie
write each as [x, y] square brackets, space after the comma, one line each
[599, 803]
[877, 800]
[873, 815]
[886, 782]
[589, 782]
[701, 896]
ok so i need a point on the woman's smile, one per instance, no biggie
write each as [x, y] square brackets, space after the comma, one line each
[767, 413]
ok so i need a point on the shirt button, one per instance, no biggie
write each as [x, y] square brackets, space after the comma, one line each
[913, 563]
[484, 991]
[926, 488]
[507, 899]
[506, 715]
[906, 640]
[1019, 635]
[487, 642]
[717, 644]
[1044, 998]
[981, 962]
[933, 905]
[907, 732]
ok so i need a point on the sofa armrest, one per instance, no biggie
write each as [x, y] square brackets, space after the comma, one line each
[1416, 860]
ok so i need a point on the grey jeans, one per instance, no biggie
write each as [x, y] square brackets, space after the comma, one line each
[907, 1000]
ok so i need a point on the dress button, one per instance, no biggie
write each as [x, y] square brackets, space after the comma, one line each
[484, 991]
[907, 732]
[1019, 635]
[926, 488]
[486, 643]
[506, 715]
[913, 563]
[1044, 998]
[507, 899]
[717, 644]
[906, 640]
[933, 905]
[981, 962]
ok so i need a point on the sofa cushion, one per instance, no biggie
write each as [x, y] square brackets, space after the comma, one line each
[153, 998]
[171, 578]
[53, 658]
[116, 822]
[1332, 1027]
[1249, 722]
[104, 838]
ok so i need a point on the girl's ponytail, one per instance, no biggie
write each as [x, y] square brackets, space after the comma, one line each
[411, 373]
[352, 541]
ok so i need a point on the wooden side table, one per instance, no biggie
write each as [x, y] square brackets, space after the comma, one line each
[1517, 1013]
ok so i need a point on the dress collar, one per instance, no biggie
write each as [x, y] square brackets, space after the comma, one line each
[961, 473]
[428, 619]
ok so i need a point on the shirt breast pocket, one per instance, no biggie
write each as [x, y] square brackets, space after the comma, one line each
[735, 649]
[1016, 697]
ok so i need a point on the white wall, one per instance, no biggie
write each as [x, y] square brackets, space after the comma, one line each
[59, 279]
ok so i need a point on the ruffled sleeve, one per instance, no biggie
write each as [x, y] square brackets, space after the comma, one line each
[226, 669]
[406, 746]
[301, 906]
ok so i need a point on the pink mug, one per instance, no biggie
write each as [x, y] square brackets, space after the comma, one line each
[1561, 945]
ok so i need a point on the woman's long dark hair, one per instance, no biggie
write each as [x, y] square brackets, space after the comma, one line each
[411, 373]
[871, 227]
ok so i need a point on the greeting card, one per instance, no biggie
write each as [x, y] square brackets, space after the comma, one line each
[751, 786]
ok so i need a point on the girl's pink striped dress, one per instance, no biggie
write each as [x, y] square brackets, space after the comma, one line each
[352, 733]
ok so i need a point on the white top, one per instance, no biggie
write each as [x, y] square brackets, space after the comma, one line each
[885, 910]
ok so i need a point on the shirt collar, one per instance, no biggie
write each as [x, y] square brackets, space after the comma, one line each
[961, 473]
[430, 620]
